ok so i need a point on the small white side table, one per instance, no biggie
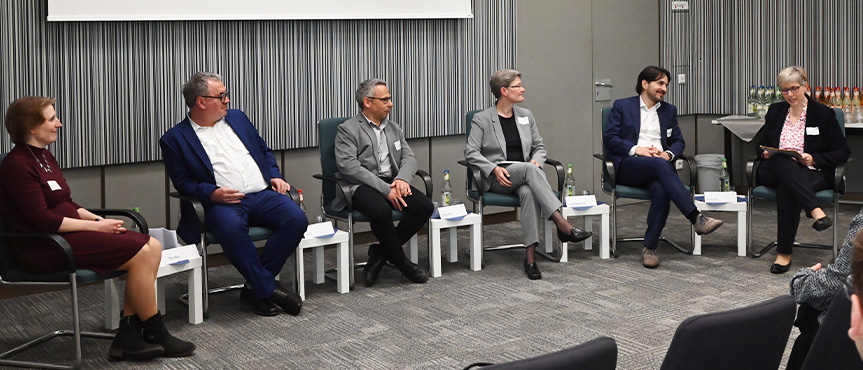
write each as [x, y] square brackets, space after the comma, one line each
[600, 209]
[340, 239]
[436, 225]
[739, 207]
[196, 310]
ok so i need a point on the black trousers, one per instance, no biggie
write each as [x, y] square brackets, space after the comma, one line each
[795, 186]
[378, 209]
[807, 322]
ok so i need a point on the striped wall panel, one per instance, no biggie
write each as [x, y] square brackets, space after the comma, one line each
[118, 84]
[724, 46]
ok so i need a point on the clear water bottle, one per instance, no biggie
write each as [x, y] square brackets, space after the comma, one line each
[569, 181]
[132, 225]
[751, 101]
[446, 192]
[724, 178]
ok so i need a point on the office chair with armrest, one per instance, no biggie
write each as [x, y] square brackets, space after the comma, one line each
[828, 196]
[597, 354]
[832, 348]
[327, 130]
[752, 337]
[617, 191]
[481, 198]
[256, 233]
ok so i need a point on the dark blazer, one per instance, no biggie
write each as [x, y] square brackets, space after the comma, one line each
[624, 124]
[191, 171]
[827, 145]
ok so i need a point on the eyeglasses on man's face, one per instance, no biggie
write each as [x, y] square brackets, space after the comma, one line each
[223, 97]
[388, 99]
[790, 90]
[848, 286]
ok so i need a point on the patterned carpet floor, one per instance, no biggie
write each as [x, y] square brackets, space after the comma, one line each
[494, 315]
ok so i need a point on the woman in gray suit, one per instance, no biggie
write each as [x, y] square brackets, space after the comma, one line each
[505, 145]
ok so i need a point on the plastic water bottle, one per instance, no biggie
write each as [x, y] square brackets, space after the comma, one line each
[302, 205]
[132, 225]
[724, 179]
[446, 192]
[569, 181]
[751, 100]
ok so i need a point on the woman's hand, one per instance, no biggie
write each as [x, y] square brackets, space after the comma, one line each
[111, 226]
[765, 154]
[502, 176]
[806, 159]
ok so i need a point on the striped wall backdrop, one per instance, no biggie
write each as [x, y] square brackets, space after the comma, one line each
[118, 84]
[724, 46]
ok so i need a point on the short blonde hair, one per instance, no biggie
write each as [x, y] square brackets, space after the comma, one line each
[792, 74]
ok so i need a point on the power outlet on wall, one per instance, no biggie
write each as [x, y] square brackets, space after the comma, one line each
[678, 165]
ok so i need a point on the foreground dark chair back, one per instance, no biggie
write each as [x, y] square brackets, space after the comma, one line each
[597, 354]
[752, 337]
[831, 348]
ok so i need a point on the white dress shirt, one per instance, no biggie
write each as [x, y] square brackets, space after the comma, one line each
[384, 169]
[233, 165]
[650, 132]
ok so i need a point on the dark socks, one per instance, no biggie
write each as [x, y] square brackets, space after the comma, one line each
[529, 253]
[693, 216]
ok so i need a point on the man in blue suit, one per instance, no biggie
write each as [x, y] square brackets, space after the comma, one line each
[218, 157]
[644, 140]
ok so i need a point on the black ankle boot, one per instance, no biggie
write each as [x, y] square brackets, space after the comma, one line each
[156, 333]
[130, 345]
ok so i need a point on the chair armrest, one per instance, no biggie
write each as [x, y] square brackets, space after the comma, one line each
[196, 204]
[839, 175]
[56, 238]
[752, 171]
[609, 168]
[340, 186]
[561, 174]
[128, 213]
[427, 181]
[294, 195]
[475, 175]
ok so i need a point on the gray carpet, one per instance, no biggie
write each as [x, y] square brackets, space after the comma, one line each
[494, 315]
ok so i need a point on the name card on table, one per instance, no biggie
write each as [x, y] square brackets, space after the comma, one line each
[717, 197]
[581, 201]
[456, 212]
[179, 255]
[320, 230]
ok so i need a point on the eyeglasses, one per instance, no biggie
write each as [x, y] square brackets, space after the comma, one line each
[792, 90]
[849, 286]
[383, 100]
[516, 86]
[223, 97]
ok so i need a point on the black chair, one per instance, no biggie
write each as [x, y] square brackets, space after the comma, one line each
[831, 348]
[829, 196]
[616, 191]
[327, 130]
[256, 233]
[597, 354]
[12, 275]
[481, 198]
[752, 337]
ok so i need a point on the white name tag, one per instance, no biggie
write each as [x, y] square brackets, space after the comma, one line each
[668, 132]
[397, 145]
[581, 201]
[179, 255]
[522, 120]
[720, 197]
[813, 131]
[320, 230]
[53, 185]
[452, 212]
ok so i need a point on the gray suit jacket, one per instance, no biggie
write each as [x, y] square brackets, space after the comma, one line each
[357, 159]
[486, 145]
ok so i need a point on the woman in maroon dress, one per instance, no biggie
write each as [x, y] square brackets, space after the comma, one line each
[34, 197]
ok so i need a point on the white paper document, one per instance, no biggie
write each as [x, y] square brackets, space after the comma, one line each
[712, 197]
[581, 201]
[167, 237]
[320, 230]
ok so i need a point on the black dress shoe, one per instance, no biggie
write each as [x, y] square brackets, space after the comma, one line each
[414, 272]
[374, 265]
[574, 236]
[532, 270]
[289, 301]
[822, 223]
[779, 269]
[263, 307]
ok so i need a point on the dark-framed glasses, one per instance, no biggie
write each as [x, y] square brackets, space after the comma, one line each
[792, 90]
[223, 97]
[383, 100]
[848, 286]
[519, 86]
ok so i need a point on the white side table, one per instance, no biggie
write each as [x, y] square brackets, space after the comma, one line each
[436, 225]
[340, 239]
[600, 209]
[196, 310]
[739, 207]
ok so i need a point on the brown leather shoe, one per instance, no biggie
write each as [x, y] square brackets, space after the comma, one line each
[649, 258]
[706, 225]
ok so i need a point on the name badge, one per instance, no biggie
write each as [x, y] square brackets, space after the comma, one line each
[718, 197]
[812, 131]
[397, 145]
[53, 185]
[581, 201]
[668, 132]
[320, 230]
[522, 120]
[455, 212]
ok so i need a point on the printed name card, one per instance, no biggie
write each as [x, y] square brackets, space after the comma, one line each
[452, 212]
[720, 197]
[581, 201]
[320, 230]
[179, 255]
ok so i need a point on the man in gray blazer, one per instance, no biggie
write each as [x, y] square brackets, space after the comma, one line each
[374, 157]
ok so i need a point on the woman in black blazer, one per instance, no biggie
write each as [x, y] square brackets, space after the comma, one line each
[810, 128]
